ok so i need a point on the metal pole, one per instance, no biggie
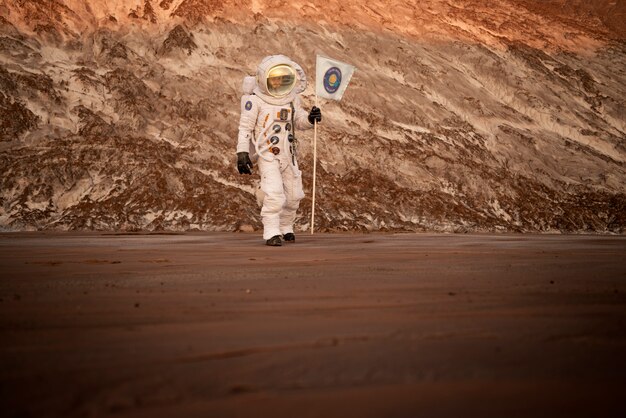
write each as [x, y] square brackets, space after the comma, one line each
[314, 169]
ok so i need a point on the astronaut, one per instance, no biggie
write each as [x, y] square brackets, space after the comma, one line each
[270, 115]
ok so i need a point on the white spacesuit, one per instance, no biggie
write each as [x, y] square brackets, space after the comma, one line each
[269, 119]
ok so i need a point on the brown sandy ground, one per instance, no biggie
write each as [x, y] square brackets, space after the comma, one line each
[394, 325]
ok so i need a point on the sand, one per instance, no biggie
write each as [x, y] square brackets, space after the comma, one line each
[341, 325]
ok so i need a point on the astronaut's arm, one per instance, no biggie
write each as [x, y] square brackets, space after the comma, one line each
[301, 116]
[247, 122]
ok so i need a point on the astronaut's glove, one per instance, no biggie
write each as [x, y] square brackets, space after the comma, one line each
[315, 115]
[244, 165]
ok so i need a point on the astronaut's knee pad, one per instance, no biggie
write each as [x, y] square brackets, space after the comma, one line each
[273, 202]
[292, 204]
[260, 196]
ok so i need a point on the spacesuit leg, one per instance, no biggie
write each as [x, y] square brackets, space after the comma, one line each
[274, 200]
[292, 186]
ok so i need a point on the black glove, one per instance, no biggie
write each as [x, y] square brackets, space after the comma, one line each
[244, 165]
[315, 115]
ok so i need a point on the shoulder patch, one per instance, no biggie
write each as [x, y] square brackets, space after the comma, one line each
[248, 105]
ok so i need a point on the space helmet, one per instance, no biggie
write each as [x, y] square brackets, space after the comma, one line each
[280, 78]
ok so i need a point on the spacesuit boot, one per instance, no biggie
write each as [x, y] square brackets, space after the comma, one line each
[275, 241]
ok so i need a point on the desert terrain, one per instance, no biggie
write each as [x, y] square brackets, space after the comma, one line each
[471, 210]
[335, 325]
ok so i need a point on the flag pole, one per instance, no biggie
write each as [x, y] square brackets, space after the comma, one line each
[314, 168]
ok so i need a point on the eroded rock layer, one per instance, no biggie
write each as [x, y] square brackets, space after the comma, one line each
[472, 116]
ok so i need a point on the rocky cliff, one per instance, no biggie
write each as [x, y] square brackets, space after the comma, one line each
[505, 115]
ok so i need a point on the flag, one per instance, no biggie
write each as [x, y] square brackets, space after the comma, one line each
[331, 77]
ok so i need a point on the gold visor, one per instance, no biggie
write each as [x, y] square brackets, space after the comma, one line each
[280, 80]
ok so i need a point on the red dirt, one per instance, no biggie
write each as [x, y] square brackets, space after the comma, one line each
[335, 325]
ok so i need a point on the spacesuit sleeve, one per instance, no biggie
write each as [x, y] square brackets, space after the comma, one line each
[247, 122]
[301, 115]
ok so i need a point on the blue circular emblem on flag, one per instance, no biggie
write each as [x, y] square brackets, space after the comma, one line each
[248, 105]
[332, 80]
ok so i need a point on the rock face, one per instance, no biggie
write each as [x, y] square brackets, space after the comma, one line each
[178, 39]
[472, 116]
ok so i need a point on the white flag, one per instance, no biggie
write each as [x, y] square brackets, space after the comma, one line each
[331, 77]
